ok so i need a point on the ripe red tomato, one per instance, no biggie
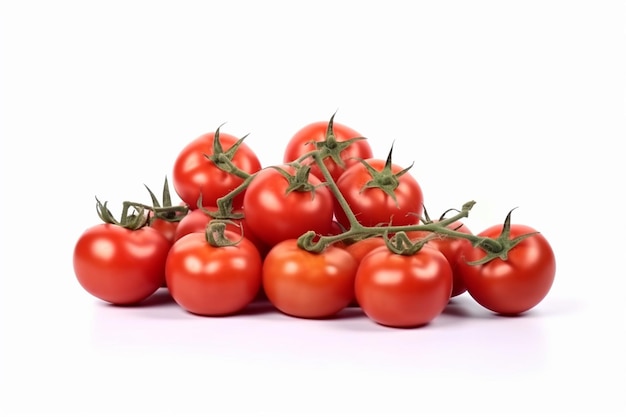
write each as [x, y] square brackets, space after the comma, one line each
[451, 248]
[373, 206]
[274, 215]
[195, 174]
[213, 281]
[403, 290]
[308, 285]
[517, 284]
[119, 265]
[309, 137]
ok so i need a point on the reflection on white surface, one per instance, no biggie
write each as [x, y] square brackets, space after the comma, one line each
[464, 337]
[350, 359]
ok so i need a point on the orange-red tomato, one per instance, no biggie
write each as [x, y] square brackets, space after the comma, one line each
[308, 285]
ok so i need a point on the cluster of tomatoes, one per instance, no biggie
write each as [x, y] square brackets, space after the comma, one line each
[331, 227]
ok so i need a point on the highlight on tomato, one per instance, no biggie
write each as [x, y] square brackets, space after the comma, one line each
[120, 262]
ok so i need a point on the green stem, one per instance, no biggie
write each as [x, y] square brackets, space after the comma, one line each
[357, 230]
[224, 203]
[231, 168]
[354, 222]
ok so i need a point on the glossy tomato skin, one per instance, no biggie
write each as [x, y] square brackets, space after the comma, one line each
[516, 285]
[308, 285]
[362, 247]
[213, 281]
[452, 249]
[403, 291]
[193, 174]
[119, 265]
[372, 206]
[300, 144]
[273, 215]
[166, 228]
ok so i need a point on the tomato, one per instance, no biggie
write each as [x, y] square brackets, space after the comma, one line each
[195, 174]
[373, 206]
[359, 249]
[403, 290]
[197, 220]
[451, 248]
[517, 284]
[274, 215]
[308, 285]
[119, 265]
[166, 224]
[165, 227]
[362, 247]
[210, 280]
[317, 135]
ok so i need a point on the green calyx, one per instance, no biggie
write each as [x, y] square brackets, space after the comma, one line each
[385, 179]
[224, 159]
[299, 181]
[330, 147]
[215, 233]
[500, 246]
[165, 210]
[133, 220]
[224, 211]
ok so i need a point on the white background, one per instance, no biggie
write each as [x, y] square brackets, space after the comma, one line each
[511, 104]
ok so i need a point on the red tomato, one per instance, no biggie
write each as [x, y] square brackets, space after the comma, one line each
[119, 265]
[515, 285]
[213, 281]
[274, 215]
[195, 174]
[373, 206]
[403, 290]
[451, 248]
[309, 137]
[308, 285]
